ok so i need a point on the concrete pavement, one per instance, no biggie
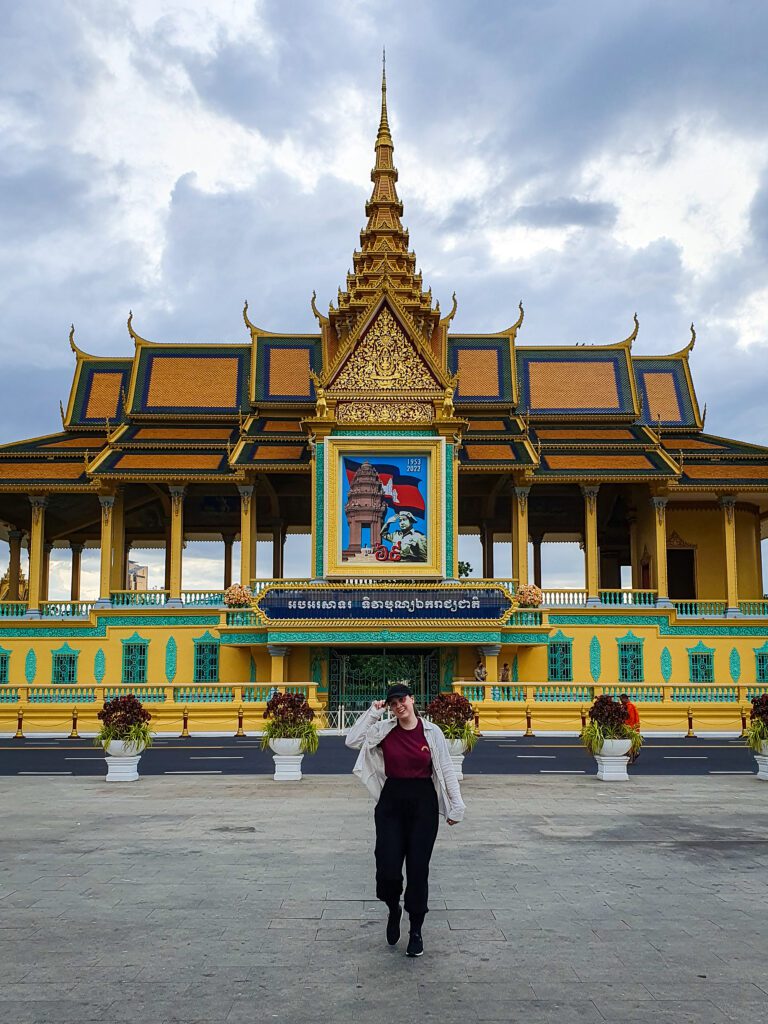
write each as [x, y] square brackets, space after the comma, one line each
[234, 898]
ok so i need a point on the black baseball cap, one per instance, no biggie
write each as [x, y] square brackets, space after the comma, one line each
[398, 690]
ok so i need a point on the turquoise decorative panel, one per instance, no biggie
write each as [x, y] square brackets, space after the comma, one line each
[170, 660]
[117, 622]
[99, 666]
[252, 671]
[515, 670]
[734, 665]
[666, 665]
[30, 666]
[595, 659]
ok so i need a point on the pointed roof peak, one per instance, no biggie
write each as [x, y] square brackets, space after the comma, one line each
[384, 138]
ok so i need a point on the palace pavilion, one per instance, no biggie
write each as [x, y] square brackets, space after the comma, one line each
[385, 435]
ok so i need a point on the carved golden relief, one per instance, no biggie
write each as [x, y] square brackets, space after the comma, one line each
[385, 360]
[384, 412]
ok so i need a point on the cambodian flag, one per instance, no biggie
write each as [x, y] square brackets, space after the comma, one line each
[401, 492]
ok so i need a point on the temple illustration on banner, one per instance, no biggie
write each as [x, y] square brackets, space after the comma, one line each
[384, 435]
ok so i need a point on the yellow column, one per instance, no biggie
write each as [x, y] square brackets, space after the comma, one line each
[167, 564]
[14, 564]
[278, 655]
[177, 545]
[39, 504]
[247, 535]
[660, 551]
[592, 554]
[728, 505]
[520, 536]
[490, 653]
[77, 555]
[107, 502]
[118, 543]
[758, 555]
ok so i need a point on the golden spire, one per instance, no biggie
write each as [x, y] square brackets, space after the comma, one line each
[383, 138]
[384, 257]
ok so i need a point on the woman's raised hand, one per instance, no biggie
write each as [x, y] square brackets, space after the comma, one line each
[379, 704]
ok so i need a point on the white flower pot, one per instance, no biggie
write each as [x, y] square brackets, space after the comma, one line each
[612, 761]
[286, 753]
[762, 763]
[457, 751]
[123, 760]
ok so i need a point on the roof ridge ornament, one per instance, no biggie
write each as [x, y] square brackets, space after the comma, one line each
[137, 338]
[684, 352]
[627, 343]
[75, 348]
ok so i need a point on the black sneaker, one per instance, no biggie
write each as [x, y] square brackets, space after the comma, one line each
[393, 925]
[415, 945]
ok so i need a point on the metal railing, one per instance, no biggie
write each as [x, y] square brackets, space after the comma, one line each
[66, 609]
[241, 617]
[700, 609]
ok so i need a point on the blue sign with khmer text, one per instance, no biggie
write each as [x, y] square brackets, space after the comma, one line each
[403, 603]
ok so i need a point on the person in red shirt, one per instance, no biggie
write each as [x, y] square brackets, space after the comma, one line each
[633, 719]
[406, 764]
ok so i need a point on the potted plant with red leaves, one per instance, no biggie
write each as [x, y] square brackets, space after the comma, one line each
[455, 717]
[290, 733]
[609, 739]
[756, 735]
[124, 735]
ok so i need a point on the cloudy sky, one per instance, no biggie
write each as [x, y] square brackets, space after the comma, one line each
[177, 156]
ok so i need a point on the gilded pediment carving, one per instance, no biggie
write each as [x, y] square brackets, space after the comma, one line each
[385, 360]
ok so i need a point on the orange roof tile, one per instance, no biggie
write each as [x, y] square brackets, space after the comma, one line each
[277, 452]
[478, 373]
[573, 384]
[104, 396]
[482, 425]
[78, 442]
[717, 471]
[182, 434]
[281, 427]
[490, 452]
[585, 463]
[587, 434]
[674, 444]
[190, 382]
[42, 470]
[663, 403]
[288, 371]
[177, 460]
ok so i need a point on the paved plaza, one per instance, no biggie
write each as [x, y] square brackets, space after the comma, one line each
[237, 899]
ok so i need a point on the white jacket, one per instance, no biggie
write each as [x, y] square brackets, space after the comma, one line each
[366, 735]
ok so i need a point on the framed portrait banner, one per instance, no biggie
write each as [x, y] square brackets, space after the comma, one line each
[385, 507]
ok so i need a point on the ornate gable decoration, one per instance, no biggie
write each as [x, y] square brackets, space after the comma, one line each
[385, 360]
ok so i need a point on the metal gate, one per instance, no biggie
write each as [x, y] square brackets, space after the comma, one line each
[357, 677]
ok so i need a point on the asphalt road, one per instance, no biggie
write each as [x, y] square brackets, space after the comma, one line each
[492, 756]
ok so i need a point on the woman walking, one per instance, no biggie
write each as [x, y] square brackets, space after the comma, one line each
[405, 764]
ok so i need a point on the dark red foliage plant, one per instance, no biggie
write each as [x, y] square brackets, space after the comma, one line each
[760, 708]
[608, 713]
[450, 709]
[290, 709]
[121, 713]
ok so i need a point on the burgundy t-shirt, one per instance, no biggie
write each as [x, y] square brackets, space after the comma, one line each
[407, 754]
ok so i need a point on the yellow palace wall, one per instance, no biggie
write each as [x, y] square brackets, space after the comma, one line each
[702, 529]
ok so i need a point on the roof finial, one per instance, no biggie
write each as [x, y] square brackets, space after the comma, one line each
[384, 138]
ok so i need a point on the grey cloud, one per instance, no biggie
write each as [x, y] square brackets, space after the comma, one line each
[566, 211]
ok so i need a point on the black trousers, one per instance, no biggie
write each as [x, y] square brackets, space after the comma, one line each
[406, 819]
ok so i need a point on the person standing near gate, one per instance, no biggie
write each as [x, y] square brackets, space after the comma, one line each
[405, 764]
